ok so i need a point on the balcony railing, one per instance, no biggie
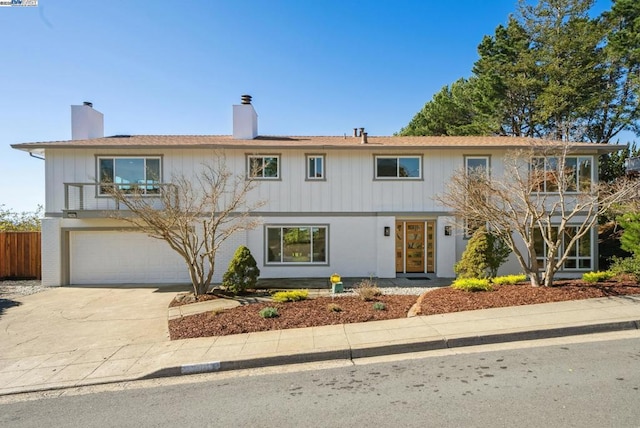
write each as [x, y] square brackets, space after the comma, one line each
[93, 199]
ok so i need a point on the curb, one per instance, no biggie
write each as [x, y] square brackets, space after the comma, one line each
[400, 348]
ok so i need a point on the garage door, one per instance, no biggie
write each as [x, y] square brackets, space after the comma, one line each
[106, 257]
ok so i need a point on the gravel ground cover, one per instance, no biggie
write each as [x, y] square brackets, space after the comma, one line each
[11, 289]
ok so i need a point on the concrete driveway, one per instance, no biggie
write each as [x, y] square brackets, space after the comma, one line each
[71, 319]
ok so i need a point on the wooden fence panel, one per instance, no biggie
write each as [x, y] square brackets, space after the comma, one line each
[20, 255]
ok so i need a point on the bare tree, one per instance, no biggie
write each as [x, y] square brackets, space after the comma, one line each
[542, 205]
[194, 215]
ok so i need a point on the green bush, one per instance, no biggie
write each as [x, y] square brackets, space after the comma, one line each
[290, 295]
[472, 284]
[630, 239]
[367, 290]
[332, 307]
[268, 312]
[509, 279]
[626, 266]
[593, 277]
[482, 257]
[242, 273]
[379, 306]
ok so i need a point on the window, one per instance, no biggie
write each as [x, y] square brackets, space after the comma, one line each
[579, 257]
[265, 167]
[476, 164]
[575, 175]
[315, 167]
[297, 244]
[475, 167]
[139, 174]
[399, 167]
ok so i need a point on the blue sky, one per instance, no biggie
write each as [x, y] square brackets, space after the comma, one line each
[318, 67]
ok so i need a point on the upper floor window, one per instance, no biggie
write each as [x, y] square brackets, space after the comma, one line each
[476, 165]
[398, 167]
[548, 174]
[131, 174]
[315, 167]
[265, 167]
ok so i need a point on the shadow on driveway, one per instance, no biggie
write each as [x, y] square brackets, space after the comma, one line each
[6, 304]
[158, 288]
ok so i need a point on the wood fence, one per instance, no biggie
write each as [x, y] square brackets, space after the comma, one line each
[20, 255]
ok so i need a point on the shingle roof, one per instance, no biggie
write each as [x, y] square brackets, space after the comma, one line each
[307, 142]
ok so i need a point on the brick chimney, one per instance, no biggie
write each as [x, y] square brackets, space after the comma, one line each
[245, 120]
[86, 123]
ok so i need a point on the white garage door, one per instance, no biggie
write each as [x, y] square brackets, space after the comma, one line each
[123, 258]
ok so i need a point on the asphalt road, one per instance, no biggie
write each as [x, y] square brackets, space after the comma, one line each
[593, 384]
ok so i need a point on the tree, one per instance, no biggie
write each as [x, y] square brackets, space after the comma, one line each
[542, 206]
[455, 110]
[630, 240]
[242, 273]
[551, 72]
[193, 215]
[482, 257]
[11, 221]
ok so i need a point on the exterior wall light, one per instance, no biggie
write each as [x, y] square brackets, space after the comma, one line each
[387, 231]
[447, 231]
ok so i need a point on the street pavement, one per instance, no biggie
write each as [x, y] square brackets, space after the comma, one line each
[76, 336]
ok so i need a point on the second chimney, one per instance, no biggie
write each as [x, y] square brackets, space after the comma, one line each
[86, 123]
[245, 120]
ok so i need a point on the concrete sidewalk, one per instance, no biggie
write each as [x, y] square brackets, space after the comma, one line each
[111, 360]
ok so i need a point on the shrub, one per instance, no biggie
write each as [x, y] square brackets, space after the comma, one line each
[482, 257]
[379, 306]
[291, 295]
[593, 277]
[332, 307]
[367, 290]
[630, 239]
[269, 312]
[472, 284]
[242, 273]
[626, 266]
[509, 279]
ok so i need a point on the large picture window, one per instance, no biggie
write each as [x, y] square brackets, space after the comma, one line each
[576, 174]
[132, 174]
[398, 167]
[266, 167]
[297, 244]
[579, 258]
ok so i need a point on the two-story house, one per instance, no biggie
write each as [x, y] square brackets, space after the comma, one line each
[358, 205]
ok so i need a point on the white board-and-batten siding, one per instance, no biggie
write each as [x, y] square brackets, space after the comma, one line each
[349, 187]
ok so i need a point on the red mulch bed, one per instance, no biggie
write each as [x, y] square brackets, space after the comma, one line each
[315, 312]
[446, 300]
[305, 313]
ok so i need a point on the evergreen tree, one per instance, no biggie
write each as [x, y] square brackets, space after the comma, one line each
[483, 256]
[242, 273]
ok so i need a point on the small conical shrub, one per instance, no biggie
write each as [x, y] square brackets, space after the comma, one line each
[242, 273]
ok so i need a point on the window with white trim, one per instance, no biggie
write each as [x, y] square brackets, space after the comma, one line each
[580, 255]
[315, 167]
[131, 174]
[398, 167]
[296, 244]
[476, 164]
[576, 173]
[263, 167]
[475, 167]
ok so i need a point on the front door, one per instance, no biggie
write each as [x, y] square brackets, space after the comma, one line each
[415, 246]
